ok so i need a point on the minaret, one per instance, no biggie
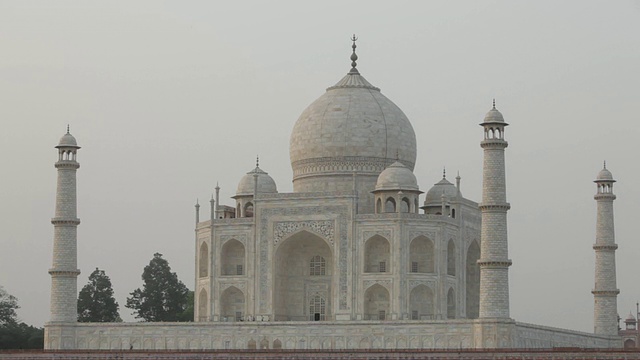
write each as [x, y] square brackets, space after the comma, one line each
[64, 272]
[605, 293]
[494, 262]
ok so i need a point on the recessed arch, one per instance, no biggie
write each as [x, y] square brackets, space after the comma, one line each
[248, 209]
[421, 303]
[203, 260]
[379, 206]
[390, 205]
[376, 254]
[376, 303]
[421, 255]
[232, 304]
[451, 304]
[232, 258]
[472, 279]
[405, 205]
[629, 344]
[451, 258]
[203, 302]
[295, 282]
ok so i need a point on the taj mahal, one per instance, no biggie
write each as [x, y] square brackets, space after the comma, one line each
[356, 257]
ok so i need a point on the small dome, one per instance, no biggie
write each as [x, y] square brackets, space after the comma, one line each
[434, 195]
[67, 140]
[265, 183]
[493, 116]
[397, 177]
[604, 175]
[630, 319]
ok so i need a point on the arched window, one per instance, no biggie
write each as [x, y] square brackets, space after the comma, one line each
[376, 303]
[203, 266]
[421, 255]
[451, 304]
[232, 258]
[379, 206]
[376, 254]
[248, 210]
[317, 308]
[317, 266]
[238, 210]
[232, 304]
[451, 258]
[390, 205]
[277, 344]
[405, 205]
[629, 344]
[421, 303]
[453, 213]
[473, 281]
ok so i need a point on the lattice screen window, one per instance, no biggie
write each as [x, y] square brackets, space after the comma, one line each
[383, 266]
[414, 266]
[381, 315]
[414, 315]
[239, 269]
[238, 315]
[318, 266]
[317, 308]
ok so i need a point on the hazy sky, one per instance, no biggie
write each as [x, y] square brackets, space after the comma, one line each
[167, 98]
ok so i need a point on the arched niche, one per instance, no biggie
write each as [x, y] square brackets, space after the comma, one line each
[203, 258]
[232, 304]
[421, 255]
[451, 258]
[232, 258]
[376, 254]
[405, 205]
[472, 280]
[298, 280]
[421, 303]
[203, 301]
[390, 205]
[451, 304]
[376, 303]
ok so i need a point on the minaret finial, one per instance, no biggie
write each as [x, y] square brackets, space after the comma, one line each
[397, 155]
[494, 103]
[444, 172]
[605, 164]
[354, 57]
[67, 128]
[257, 160]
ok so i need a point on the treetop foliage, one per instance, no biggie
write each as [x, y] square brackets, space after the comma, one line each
[96, 302]
[8, 307]
[163, 296]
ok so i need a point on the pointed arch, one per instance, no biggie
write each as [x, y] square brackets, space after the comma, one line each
[451, 304]
[376, 254]
[390, 205]
[451, 258]
[203, 305]
[317, 308]
[472, 280]
[379, 206]
[203, 260]
[299, 276]
[232, 304]
[232, 258]
[405, 205]
[376, 303]
[277, 344]
[421, 255]
[421, 303]
[248, 210]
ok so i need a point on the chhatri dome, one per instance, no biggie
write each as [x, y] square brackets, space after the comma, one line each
[67, 140]
[352, 130]
[442, 187]
[397, 177]
[266, 184]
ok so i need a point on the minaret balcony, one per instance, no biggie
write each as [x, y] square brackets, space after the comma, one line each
[611, 247]
[65, 221]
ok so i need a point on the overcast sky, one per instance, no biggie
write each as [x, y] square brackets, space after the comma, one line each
[168, 98]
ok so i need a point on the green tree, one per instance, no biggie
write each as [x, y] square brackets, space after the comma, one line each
[163, 296]
[96, 302]
[187, 314]
[8, 307]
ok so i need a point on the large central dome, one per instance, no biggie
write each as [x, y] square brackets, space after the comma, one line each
[351, 128]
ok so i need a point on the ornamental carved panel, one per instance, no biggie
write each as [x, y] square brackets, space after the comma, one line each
[324, 228]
